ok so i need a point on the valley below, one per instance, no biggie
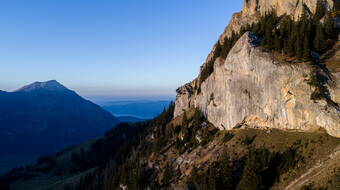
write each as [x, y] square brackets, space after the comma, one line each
[189, 152]
[262, 114]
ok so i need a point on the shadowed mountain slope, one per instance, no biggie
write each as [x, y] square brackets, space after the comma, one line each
[43, 117]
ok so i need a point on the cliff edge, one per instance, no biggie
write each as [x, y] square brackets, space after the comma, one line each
[251, 88]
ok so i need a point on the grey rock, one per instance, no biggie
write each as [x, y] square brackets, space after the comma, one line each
[251, 88]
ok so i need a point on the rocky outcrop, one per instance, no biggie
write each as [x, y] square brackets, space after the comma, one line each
[253, 9]
[251, 88]
[288, 7]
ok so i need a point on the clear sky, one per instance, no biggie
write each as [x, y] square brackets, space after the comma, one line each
[109, 47]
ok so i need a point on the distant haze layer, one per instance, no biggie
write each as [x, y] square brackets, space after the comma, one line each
[143, 109]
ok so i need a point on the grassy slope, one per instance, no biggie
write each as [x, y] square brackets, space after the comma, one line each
[313, 147]
[50, 180]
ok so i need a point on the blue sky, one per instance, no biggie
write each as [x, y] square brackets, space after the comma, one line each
[109, 47]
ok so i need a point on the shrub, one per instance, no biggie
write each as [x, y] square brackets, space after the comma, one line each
[227, 137]
[167, 174]
[248, 140]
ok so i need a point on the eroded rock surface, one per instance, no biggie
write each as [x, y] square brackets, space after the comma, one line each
[251, 88]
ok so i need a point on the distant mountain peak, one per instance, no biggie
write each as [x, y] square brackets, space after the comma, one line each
[51, 85]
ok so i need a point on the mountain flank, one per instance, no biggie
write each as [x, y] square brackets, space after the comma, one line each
[43, 117]
[273, 76]
[263, 114]
[188, 152]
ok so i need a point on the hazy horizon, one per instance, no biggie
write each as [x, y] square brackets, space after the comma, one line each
[119, 95]
[118, 48]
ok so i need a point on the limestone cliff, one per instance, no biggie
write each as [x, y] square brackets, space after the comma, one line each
[251, 88]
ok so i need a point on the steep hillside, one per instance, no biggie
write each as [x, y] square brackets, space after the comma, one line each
[42, 118]
[252, 87]
[263, 114]
[190, 153]
[274, 77]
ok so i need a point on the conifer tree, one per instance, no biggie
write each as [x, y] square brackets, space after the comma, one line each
[299, 46]
[291, 46]
[167, 174]
[277, 42]
[329, 27]
[320, 39]
[337, 5]
[306, 49]
[185, 120]
[320, 9]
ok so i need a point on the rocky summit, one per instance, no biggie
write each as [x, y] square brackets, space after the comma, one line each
[253, 9]
[263, 114]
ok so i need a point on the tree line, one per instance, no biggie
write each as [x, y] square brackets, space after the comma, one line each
[310, 33]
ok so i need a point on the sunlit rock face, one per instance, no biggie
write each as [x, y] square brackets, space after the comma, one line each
[253, 89]
[288, 7]
[249, 87]
[253, 9]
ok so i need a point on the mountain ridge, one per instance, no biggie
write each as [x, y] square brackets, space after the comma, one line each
[256, 118]
[51, 85]
[43, 117]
